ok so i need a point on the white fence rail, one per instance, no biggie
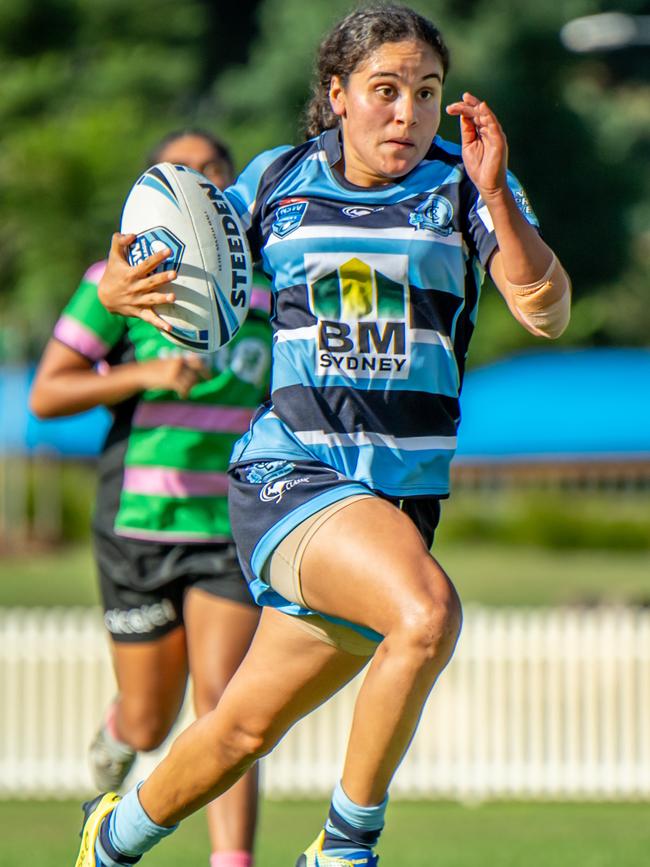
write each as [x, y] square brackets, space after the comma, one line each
[535, 704]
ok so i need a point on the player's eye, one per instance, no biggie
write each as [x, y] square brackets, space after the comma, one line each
[426, 94]
[386, 91]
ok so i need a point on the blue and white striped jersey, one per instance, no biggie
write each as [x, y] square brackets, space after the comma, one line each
[375, 295]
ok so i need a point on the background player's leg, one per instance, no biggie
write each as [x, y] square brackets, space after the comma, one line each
[219, 632]
[151, 678]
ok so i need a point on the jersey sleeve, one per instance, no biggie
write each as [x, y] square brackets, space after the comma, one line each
[247, 193]
[85, 325]
[482, 237]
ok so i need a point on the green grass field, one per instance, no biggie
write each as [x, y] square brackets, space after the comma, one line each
[417, 835]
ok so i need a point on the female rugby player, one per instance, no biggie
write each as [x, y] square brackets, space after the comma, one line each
[173, 593]
[376, 234]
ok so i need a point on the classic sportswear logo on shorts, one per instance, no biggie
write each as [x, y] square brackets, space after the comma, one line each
[435, 213]
[362, 319]
[274, 491]
[267, 471]
[139, 621]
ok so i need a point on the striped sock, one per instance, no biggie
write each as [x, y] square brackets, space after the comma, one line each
[127, 833]
[351, 827]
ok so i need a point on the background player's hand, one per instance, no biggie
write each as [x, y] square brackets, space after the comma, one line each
[484, 145]
[134, 290]
[180, 373]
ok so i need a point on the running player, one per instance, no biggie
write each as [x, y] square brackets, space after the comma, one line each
[376, 234]
[173, 593]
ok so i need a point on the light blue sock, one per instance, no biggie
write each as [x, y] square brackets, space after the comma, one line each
[130, 831]
[355, 826]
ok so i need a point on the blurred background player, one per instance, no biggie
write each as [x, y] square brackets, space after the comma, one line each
[173, 594]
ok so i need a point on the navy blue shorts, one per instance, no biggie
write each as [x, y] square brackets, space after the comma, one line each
[143, 584]
[268, 499]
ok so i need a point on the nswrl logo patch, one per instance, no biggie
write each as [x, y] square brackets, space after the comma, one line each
[362, 322]
[289, 216]
[153, 241]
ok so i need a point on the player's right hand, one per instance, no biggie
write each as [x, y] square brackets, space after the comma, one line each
[132, 290]
[179, 373]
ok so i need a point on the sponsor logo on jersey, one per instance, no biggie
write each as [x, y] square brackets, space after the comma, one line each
[139, 621]
[434, 213]
[523, 204]
[267, 471]
[237, 246]
[289, 216]
[274, 491]
[153, 241]
[362, 321]
[359, 211]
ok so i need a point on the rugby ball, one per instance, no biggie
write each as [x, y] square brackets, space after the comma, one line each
[176, 207]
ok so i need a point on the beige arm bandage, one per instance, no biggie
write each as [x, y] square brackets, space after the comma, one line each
[543, 307]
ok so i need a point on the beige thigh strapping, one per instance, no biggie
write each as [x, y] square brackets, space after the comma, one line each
[282, 572]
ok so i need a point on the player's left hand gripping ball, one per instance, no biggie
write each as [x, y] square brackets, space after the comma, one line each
[176, 207]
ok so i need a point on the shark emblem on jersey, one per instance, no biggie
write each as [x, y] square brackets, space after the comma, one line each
[435, 213]
[289, 216]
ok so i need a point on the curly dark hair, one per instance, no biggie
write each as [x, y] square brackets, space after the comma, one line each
[352, 40]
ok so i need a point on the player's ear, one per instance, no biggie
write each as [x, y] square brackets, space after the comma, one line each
[337, 96]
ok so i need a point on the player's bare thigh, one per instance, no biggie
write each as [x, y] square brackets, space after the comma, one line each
[368, 563]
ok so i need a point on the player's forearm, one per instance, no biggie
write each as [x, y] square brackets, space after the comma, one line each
[524, 255]
[527, 272]
[72, 391]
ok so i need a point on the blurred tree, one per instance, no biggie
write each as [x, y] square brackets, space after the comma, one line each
[88, 87]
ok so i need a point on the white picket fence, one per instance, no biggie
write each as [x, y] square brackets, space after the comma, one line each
[535, 704]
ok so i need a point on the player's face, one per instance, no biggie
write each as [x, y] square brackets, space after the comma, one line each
[197, 153]
[389, 110]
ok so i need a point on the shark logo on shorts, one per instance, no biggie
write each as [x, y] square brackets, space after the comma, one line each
[274, 491]
[267, 471]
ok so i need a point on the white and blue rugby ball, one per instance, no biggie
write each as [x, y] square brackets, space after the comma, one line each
[176, 207]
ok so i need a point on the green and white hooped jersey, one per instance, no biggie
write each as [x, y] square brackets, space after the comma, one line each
[162, 473]
[375, 297]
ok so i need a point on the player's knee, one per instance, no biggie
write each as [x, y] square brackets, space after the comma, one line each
[429, 628]
[145, 731]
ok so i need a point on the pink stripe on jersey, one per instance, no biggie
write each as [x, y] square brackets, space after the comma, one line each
[163, 482]
[81, 339]
[170, 537]
[95, 273]
[261, 300]
[231, 419]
